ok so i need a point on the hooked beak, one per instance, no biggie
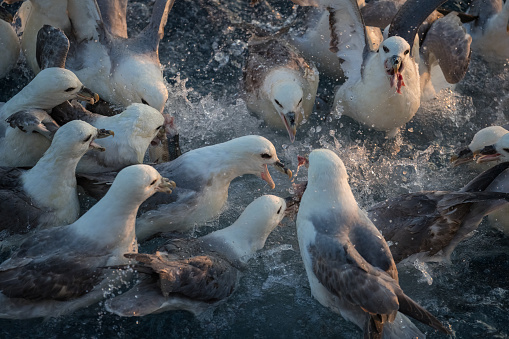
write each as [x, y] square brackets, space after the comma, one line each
[265, 175]
[87, 95]
[396, 63]
[463, 156]
[104, 133]
[101, 133]
[166, 186]
[488, 153]
[291, 126]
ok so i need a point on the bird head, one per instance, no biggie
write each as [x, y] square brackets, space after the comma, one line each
[395, 54]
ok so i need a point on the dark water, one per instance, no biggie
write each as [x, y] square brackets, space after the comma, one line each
[202, 53]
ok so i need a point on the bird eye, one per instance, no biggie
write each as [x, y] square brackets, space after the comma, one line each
[144, 102]
[386, 50]
[88, 138]
[266, 156]
[277, 102]
[506, 150]
[407, 51]
[300, 101]
[70, 89]
[160, 127]
[153, 182]
[279, 210]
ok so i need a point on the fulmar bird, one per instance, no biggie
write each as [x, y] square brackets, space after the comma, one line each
[383, 86]
[203, 177]
[51, 87]
[46, 194]
[135, 128]
[59, 270]
[9, 43]
[195, 274]
[484, 137]
[122, 70]
[348, 263]
[429, 225]
[280, 84]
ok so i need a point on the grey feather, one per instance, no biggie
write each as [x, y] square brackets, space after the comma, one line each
[52, 47]
[113, 13]
[448, 42]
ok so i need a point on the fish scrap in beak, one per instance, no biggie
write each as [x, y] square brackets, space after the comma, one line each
[101, 133]
[87, 95]
[463, 156]
[166, 186]
[394, 67]
[488, 153]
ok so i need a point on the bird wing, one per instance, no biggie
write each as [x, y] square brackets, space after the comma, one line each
[204, 277]
[17, 211]
[33, 120]
[54, 278]
[349, 39]
[114, 15]
[51, 47]
[448, 43]
[483, 180]
[379, 13]
[149, 38]
[341, 269]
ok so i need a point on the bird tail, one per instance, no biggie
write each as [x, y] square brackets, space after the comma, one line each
[402, 327]
[412, 309]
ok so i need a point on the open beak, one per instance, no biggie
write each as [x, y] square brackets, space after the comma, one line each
[265, 175]
[488, 153]
[101, 133]
[291, 126]
[463, 156]
[87, 95]
[166, 186]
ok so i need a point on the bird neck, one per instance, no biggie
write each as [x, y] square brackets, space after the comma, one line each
[336, 192]
[52, 182]
[112, 218]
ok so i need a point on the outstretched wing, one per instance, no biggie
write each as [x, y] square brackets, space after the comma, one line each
[448, 43]
[51, 47]
[113, 13]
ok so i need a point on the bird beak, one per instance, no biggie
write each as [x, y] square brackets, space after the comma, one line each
[463, 156]
[104, 133]
[87, 95]
[291, 127]
[488, 153]
[166, 186]
[281, 168]
[396, 63]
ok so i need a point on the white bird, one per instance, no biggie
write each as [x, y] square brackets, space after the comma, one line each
[490, 37]
[46, 195]
[348, 263]
[135, 128]
[59, 270]
[195, 274]
[203, 177]
[383, 86]
[498, 152]
[484, 137]
[280, 84]
[49, 88]
[9, 43]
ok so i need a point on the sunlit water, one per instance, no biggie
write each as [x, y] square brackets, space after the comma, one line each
[202, 54]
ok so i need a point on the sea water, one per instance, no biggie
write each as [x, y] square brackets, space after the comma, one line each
[202, 54]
